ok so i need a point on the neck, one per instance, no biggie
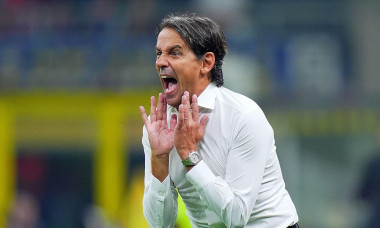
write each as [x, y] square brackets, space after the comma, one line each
[200, 88]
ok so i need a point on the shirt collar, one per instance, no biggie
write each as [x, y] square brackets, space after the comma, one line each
[206, 99]
[208, 96]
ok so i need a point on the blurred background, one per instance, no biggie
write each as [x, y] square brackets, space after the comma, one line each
[73, 74]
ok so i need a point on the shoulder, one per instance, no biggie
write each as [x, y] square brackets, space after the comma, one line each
[237, 102]
[241, 111]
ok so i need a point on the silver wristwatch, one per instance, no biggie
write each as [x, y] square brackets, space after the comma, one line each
[193, 159]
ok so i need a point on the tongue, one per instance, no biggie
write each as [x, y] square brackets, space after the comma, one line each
[172, 86]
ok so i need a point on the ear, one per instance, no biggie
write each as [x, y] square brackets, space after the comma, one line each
[208, 62]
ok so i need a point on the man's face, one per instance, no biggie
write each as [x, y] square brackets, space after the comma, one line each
[177, 66]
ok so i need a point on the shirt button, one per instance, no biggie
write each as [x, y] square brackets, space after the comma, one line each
[161, 193]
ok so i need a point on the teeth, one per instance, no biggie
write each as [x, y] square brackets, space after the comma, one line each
[164, 76]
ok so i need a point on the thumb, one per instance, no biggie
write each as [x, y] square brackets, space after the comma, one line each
[173, 121]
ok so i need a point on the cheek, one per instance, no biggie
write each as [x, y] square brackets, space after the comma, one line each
[187, 73]
[157, 69]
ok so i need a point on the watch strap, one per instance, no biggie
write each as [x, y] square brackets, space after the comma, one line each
[187, 162]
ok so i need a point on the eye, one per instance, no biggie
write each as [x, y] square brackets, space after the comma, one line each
[158, 53]
[175, 53]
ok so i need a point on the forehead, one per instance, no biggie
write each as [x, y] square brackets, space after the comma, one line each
[169, 37]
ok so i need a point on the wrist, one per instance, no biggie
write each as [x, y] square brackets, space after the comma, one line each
[160, 166]
[184, 152]
[192, 159]
[160, 156]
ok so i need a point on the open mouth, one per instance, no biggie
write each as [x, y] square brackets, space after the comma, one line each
[170, 83]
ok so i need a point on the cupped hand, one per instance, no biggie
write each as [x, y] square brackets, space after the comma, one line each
[189, 130]
[161, 138]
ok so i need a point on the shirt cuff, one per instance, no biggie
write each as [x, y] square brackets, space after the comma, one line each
[200, 175]
[158, 189]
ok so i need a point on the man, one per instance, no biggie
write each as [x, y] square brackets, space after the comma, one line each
[212, 146]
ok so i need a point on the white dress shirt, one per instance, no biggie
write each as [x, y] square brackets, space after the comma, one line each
[239, 181]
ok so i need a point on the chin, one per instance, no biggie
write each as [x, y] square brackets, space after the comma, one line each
[173, 102]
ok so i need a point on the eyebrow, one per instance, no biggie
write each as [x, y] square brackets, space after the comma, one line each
[172, 48]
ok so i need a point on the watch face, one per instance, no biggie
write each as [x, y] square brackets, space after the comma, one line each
[194, 157]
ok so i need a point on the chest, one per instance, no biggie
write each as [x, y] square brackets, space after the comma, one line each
[214, 147]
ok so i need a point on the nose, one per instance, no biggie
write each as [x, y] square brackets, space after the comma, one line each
[161, 62]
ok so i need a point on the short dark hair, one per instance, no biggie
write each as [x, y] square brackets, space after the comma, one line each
[202, 35]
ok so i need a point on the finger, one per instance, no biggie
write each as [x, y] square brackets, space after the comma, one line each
[187, 99]
[180, 117]
[144, 116]
[202, 125]
[153, 115]
[173, 121]
[160, 106]
[195, 108]
[164, 109]
[186, 106]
